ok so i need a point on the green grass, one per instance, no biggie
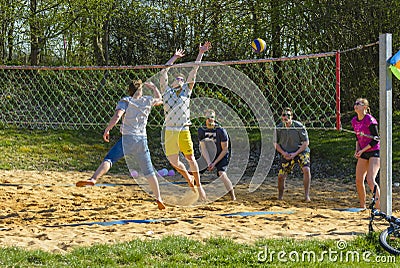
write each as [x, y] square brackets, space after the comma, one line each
[176, 251]
[54, 150]
[83, 151]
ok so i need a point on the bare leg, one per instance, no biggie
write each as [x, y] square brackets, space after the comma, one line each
[307, 183]
[361, 172]
[373, 168]
[153, 182]
[228, 184]
[180, 167]
[194, 168]
[281, 186]
[101, 170]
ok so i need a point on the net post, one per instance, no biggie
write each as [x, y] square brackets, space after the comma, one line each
[385, 122]
[338, 120]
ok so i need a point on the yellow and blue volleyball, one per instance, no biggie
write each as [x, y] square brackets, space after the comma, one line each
[258, 45]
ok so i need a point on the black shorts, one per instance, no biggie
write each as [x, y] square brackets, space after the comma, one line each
[368, 155]
[220, 166]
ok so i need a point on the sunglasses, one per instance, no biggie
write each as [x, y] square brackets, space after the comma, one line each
[180, 79]
[210, 117]
[287, 115]
[358, 103]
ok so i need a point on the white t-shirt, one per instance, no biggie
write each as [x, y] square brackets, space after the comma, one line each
[176, 107]
[136, 115]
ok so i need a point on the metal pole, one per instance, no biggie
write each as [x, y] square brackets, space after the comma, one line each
[338, 120]
[385, 122]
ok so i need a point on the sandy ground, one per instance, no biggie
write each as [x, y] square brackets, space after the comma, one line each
[44, 210]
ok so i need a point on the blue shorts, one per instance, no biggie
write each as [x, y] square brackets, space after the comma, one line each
[115, 153]
[137, 154]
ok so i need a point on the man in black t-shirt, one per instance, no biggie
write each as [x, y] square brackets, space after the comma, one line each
[214, 145]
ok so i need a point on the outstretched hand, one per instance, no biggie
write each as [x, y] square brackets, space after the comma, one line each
[179, 53]
[204, 48]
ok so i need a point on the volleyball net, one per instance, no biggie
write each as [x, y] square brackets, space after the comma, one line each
[85, 97]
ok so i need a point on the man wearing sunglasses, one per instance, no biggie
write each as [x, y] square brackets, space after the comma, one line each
[292, 144]
[176, 98]
[214, 145]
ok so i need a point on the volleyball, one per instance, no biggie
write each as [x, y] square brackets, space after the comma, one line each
[258, 45]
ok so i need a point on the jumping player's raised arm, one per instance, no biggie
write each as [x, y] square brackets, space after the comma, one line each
[156, 93]
[179, 53]
[192, 75]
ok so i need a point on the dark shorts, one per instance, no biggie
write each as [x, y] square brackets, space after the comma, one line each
[368, 155]
[220, 166]
[303, 159]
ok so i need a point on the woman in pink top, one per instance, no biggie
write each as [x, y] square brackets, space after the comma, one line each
[367, 150]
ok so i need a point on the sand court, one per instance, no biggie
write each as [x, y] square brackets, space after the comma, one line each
[44, 210]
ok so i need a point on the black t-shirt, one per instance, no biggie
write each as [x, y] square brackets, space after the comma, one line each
[217, 135]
